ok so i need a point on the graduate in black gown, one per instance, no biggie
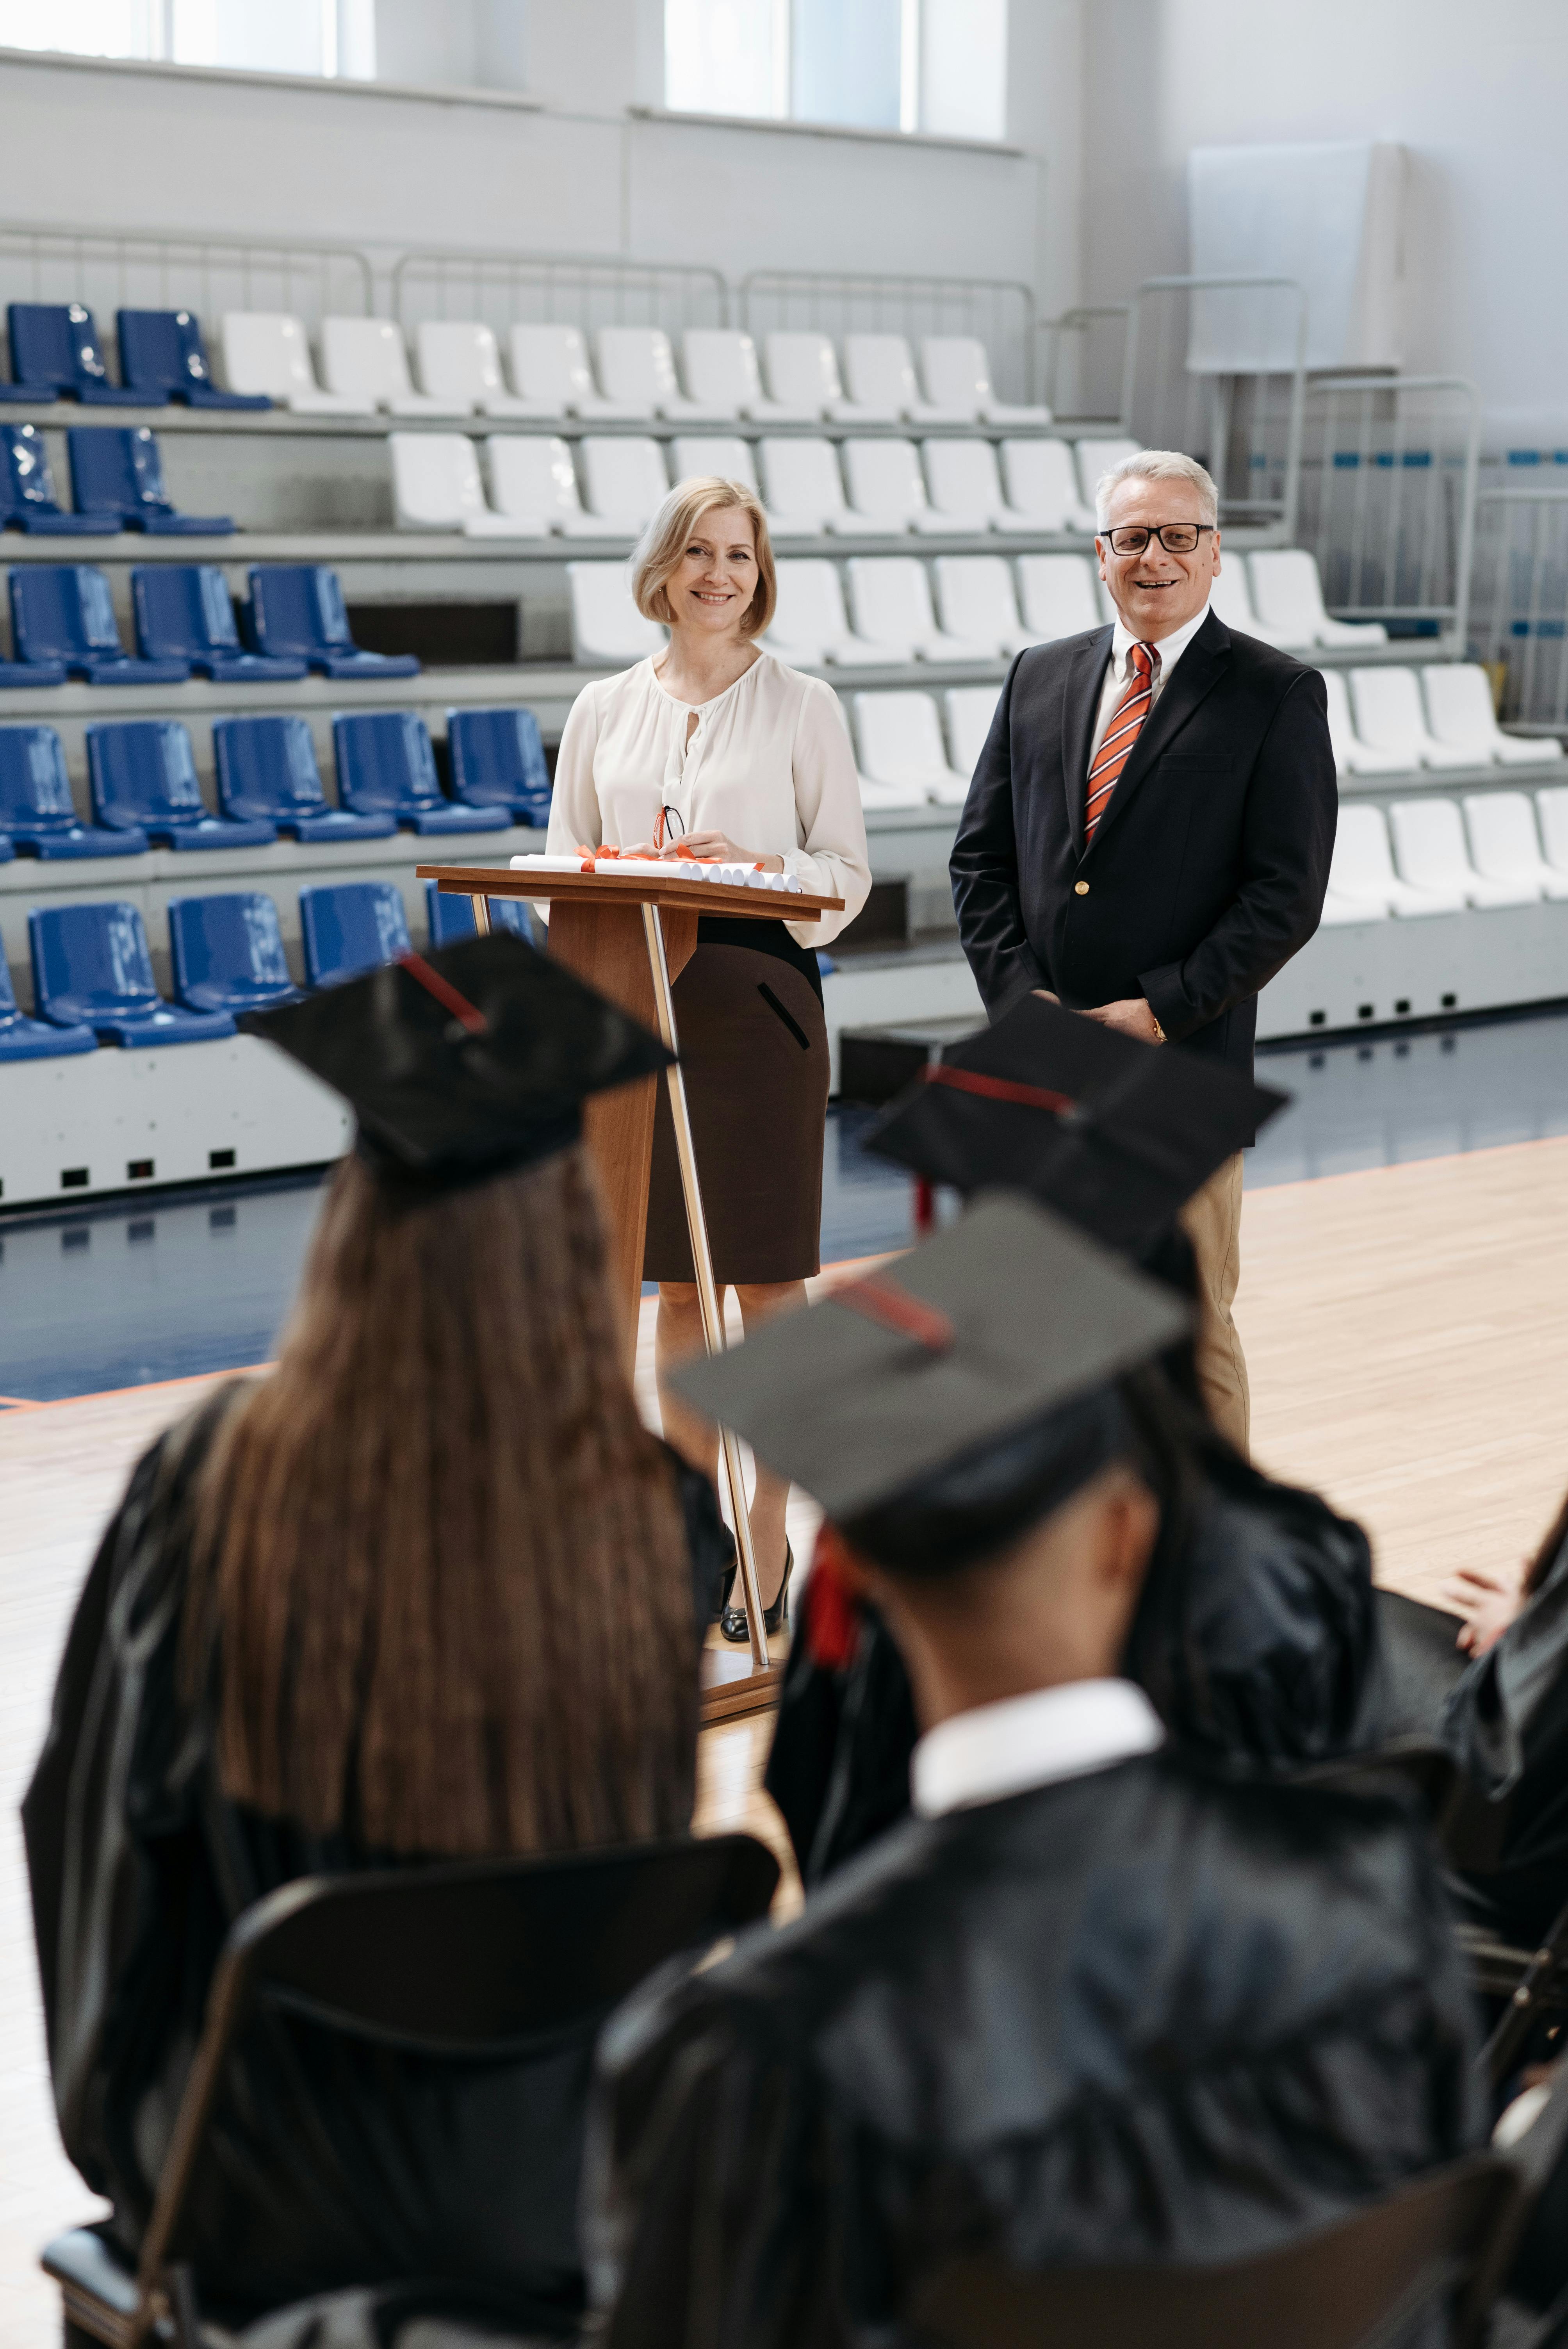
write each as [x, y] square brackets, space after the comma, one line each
[424, 1591]
[1097, 1998]
[1257, 1638]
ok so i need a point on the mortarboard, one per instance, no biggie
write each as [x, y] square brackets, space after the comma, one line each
[464, 1063]
[967, 1386]
[1112, 1134]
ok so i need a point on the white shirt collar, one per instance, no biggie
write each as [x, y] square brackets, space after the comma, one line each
[1030, 1741]
[1169, 648]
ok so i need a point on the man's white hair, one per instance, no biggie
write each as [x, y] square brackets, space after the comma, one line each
[1157, 465]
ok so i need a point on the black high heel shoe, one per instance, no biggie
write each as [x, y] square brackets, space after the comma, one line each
[732, 1623]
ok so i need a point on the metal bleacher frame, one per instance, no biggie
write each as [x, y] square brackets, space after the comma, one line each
[506, 289]
[998, 311]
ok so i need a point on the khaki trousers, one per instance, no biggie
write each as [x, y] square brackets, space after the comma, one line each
[1211, 1220]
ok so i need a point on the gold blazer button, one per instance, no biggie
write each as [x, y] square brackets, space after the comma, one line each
[1080, 888]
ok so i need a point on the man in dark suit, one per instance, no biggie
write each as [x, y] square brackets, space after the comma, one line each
[1148, 833]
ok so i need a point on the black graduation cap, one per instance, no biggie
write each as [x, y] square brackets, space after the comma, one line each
[1113, 1133]
[463, 1063]
[971, 1352]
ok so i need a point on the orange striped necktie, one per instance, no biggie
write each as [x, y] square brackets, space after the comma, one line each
[1120, 734]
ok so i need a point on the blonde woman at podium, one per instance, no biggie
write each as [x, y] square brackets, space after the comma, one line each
[712, 747]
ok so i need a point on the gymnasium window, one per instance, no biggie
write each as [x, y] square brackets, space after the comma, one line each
[933, 66]
[327, 38]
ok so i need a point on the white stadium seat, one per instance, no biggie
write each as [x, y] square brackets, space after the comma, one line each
[879, 375]
[1504, 844]
[887, 487]
[1351, 755]
[963, 481]
[436, 482]
[534, 484]
[1362, 870]
[1094, 457]
[1460, 711]
[607, 629]
[976, 599]
[810, 626]
[1552, 810]
[366, 359]
[694, 454]
[1059, 595]
[956, 370]
[1287, 597]
[266, 351]
[970, 709]
[900, 736]
[622, 479]
[1231, 601]
[550, 370]
[637, 365]
[1043, 486]
[1430, 846]
[804, 492]
[802, 372]
[721, 370]
[1342, 913]
[889, 601]
[1388, 715]
[462, 364]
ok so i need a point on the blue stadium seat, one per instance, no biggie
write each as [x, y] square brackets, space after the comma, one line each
[119, 470]
[450, 919]
[184, 612]
[54, 350]
[62, 614]
[267, 769]
[498, 760]
[297, 609]
[22, 1039]
[385, 766]
[27, 490]
[143, 775]
[36, 811]
[351, 926]
[7, 851]
[91, 969]
[228, 953]
[163, 357]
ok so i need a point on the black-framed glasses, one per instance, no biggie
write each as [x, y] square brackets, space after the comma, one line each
[667, 824]
[1175, 537]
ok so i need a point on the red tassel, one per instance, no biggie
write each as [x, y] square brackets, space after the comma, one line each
[924, 1206]
[833, 1617]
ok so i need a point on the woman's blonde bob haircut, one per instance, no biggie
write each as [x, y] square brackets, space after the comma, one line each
[665, 539]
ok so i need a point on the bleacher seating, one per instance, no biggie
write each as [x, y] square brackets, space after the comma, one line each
[22, 1039]
[804, 492]
[879, 375]
[721, 371]
[1429, 849]
[900, 738]
[366, 359]
[27, 496]
[607, 629]
[91, 969]
[269, 351]
[803, 374]
[810, 625]
[387, 766]
[1552, 810]
[62, 617]
[228, 953]
[1361, 871]
[1460, 712]
[624, 478]
[1351, 755]
[1042, 485]
[550, 367]
[694, 455]
[185, 612]
[970, 711]
[163, 357]
[435, 485]
[889, 601]
[637, 370]
[143, 775]
[534, 484]
[1058, 594]
[55, 354]
[1094, 457]
[1287, 597]
[975, 601]
[450, 919]
[1231, 598]
[349, 927]
[120, 472]
[460, 363]
[956, 370]
[296, 609]
[267, 773]
[963, 479]
[886, 486]
[1390, 716]
[1504, 844]
[498, 760]
[37, 813]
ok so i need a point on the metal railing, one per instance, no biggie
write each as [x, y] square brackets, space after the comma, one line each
[157, 269]
[507, 289]
[1000, 312]
[1387, 498]
[1519, 601]
[1216, 366]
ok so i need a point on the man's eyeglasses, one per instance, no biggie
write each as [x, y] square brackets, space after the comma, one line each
[1175, 537]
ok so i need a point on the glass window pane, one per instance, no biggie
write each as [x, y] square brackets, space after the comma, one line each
[90, 29]
[724, 57]
[964, 67]
[845, 61]
[267, 36]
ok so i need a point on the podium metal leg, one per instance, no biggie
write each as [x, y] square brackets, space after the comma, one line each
[707, 1293]
[481, 915]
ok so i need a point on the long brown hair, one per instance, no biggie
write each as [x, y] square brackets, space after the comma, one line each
[440, 1569]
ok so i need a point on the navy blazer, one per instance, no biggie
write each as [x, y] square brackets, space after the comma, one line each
[1207, 870]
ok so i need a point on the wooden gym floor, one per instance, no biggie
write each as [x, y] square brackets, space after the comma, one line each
[1406, 1333]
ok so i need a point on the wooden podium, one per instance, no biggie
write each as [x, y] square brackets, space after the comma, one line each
[631, 935]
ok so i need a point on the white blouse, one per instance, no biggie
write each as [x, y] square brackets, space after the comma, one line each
[768, 763]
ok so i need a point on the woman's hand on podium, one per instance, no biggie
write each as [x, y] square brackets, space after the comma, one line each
[720, 844]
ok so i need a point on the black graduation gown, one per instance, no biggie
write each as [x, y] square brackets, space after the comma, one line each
[1152, 2012]
[328, 2165]
[1258, 1646]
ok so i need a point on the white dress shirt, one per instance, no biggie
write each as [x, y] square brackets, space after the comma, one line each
[1030, 1741]
[768, 763]
[1118, 675]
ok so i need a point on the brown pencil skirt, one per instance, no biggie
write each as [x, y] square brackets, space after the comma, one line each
[754, 1054]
